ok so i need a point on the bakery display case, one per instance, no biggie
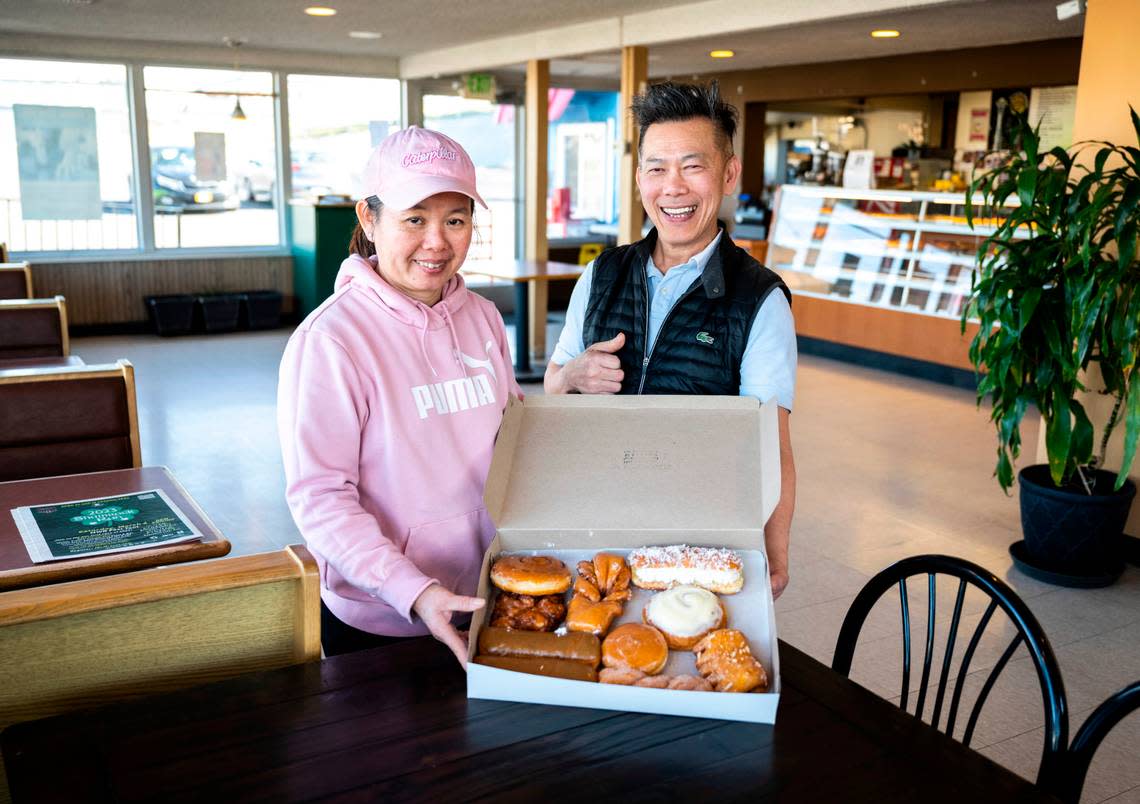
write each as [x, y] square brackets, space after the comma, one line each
[884, 270]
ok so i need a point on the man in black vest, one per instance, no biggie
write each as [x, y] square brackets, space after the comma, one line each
[686, 311]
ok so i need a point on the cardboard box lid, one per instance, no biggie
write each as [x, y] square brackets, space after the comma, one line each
[585, 465]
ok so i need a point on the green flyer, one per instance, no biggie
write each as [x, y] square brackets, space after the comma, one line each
[102, 525]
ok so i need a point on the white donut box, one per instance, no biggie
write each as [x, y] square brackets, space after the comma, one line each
[575, 475]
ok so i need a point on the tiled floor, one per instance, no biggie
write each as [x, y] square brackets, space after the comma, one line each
[888, 467]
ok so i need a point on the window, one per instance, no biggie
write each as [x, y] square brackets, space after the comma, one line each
[65, 157]
[583, 159]
[334, 123]
[213, 157]
[487, 132]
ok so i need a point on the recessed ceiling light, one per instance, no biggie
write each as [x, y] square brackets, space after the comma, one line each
[365, 34]
[722, 54]
[885, 34]
[320, 11]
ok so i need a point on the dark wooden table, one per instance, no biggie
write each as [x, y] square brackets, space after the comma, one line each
[393, 724]
[16, 567]
[522, 273]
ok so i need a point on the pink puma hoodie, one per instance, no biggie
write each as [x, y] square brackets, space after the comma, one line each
[387, 410]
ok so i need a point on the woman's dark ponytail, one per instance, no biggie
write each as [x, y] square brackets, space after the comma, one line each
[359, 243]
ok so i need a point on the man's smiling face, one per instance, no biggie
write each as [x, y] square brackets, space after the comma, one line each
[684, 174]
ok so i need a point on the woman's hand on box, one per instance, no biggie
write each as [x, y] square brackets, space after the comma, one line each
[435, 606]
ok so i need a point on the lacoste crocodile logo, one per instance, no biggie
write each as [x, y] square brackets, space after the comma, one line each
[705, 338]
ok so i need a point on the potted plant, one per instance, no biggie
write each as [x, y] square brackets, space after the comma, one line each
[1056, 292]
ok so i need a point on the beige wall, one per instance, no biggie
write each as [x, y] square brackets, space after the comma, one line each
[1110, 64]
[1110, 72]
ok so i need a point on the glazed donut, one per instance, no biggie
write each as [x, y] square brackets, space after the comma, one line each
[636, 646]
[684, 614]
[530, 575]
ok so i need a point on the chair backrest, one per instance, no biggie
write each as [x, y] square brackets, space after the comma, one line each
[1091, 735]
[85, 643]
[1000, 596]
[34, 328]
[588, 252]
[15, 280]
[67, 420]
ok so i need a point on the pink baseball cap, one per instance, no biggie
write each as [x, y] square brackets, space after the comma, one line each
[414, 163]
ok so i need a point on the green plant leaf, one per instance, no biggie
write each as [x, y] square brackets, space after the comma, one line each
[1081, 446]
[1131, 425]
[1135, 121]
[1058, 435]
[1004, 470]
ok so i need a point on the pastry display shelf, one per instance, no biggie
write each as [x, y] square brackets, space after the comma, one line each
[910, 251]
[885, 271]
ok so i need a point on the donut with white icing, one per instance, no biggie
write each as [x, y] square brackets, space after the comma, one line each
[684, 614]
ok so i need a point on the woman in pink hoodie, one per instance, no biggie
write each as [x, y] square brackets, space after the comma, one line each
[390, 397]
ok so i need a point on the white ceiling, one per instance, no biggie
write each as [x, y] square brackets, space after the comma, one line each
[433, 26]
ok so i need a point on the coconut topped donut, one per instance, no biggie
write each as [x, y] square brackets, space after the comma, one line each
[530, 575]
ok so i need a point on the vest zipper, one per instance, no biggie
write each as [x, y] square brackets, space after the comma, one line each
[650, 347]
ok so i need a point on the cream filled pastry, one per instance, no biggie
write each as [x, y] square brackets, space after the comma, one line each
[684, 614]
[711, 568]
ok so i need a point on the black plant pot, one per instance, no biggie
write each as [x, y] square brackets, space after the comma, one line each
[260, 309]
[219, 311]
[1072, 538]
[171, 314]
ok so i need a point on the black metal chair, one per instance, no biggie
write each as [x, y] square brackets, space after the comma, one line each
[1090, 736]
[1029, 632]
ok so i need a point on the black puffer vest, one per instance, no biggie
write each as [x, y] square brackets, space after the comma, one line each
[702, 340]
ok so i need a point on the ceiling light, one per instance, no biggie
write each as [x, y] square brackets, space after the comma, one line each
[238, 113]
[885, 33]
[365, 34]
[722, 54]
[320, 11]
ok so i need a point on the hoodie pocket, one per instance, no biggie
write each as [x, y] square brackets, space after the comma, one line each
[451, 550]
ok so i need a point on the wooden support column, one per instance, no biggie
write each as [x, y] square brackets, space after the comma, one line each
[752, 150]
[634, 77]
[537, 122]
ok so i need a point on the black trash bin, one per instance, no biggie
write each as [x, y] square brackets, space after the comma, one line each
[171, 314]
[260, 309]
[218, 312]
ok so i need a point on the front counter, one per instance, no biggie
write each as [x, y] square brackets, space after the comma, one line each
[883, 270]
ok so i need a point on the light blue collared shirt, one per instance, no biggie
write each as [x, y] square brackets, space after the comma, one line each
[768, 367]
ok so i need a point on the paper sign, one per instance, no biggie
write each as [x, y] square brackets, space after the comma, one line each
[973, 129]
[859, 170]
[209, 156]
[102, 525]
[58, 156]
[1053, 108]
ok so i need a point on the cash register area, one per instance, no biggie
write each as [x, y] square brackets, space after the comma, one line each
[888, 467]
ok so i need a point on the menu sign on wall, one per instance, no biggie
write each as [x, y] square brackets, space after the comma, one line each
[1053, 108]
[973, 129]
[102, 525]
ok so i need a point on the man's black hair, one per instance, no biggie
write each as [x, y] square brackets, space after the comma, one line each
[668, 102]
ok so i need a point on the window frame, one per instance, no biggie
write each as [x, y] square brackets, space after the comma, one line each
[147, 249]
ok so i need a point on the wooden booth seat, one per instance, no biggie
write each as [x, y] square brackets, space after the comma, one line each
[85, 643]
[62, 421]
[15, 280]
[33, 328]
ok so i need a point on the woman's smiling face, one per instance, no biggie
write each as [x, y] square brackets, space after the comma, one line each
[419, 249]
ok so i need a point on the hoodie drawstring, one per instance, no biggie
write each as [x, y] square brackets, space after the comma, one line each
[423, 341]
[446, 313]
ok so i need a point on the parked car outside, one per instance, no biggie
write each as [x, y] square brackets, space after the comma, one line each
[178, 189]
[255, 181]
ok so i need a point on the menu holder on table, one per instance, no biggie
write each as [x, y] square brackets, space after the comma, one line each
[102, 525]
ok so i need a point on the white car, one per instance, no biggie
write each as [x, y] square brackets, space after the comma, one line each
[255, 180]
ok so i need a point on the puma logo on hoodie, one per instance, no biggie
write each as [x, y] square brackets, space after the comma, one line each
[453, 396]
